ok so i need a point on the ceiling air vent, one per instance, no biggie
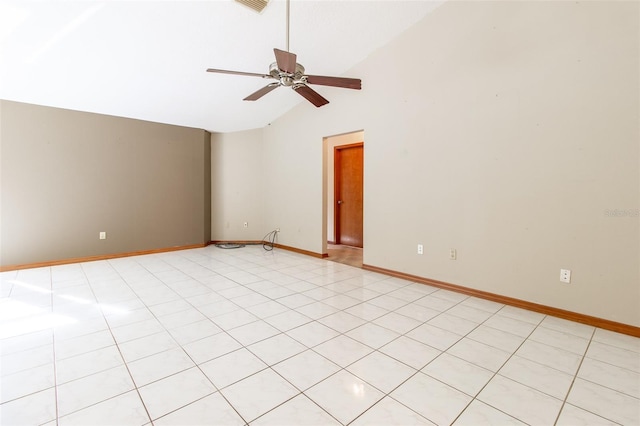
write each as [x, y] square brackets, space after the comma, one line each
[256, 5]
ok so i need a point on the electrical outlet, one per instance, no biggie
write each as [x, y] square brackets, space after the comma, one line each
[565, 275]
[103, 235]
[246, 224]
[453, 255]
[420, 249]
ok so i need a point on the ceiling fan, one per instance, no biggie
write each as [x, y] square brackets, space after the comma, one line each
[286, 71]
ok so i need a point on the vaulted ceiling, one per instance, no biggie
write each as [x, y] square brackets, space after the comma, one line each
[147, 59]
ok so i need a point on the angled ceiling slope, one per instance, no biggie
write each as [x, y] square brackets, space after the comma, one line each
[146, 59]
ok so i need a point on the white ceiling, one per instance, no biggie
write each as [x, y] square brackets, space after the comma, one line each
[147, 59]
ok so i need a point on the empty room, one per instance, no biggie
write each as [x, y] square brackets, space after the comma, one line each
[319, 212]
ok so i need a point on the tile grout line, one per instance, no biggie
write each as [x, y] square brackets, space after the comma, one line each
[195, 308]
[388, 394]
[183, 350]
[300, 392]
[343, 310]
[575, 376]
[126, 365]
[53, 341]
[420, 369]
[474, 397]
[218, 390]
[541, 325]
[270, 367]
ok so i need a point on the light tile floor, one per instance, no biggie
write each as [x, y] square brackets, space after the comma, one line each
[213, 336]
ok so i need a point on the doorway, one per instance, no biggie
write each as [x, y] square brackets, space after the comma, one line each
[341, 244]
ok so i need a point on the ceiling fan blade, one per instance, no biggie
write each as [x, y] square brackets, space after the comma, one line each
[311, 95]
[260, 93]
[286, 60]
[347, 83]
[249, 74]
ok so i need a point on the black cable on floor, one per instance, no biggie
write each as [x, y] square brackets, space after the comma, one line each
[269, 240]
[229, 245]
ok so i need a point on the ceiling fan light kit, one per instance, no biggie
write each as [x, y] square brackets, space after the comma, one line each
[287, 72]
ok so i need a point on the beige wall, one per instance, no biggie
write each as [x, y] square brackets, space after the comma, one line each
[237, 174]
[507, 131]
[294, 194]
[66, 176]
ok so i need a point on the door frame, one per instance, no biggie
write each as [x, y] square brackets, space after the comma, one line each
[328, 143]
[336, 185]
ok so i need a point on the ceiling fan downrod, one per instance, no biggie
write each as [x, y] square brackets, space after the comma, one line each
[288, 6]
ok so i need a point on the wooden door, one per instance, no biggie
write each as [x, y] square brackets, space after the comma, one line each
[348, 176]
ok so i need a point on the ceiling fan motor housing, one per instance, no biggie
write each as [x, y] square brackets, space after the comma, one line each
[285, 78]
